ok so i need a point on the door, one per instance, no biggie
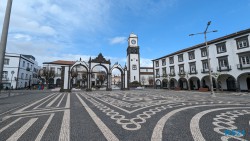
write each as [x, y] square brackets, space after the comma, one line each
[248, 83]
[231, 84]
[191, 85]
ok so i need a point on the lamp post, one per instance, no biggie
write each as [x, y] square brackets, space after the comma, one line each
[4, 38]
[12, 72]
[208, 59]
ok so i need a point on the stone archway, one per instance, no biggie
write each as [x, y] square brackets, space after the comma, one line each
[99, 77]
[226, 82]
[164, 83]
[58, 82]
[205, 82]
[68, 73]
[173, 83]
[101, 61]
[158, 84]
[79, 76]
[194, 83]
[123, 83]
[243, 82]
[183, 84]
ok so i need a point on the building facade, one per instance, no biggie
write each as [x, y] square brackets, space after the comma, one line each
[99, 76]
[187, 69]
[20, 71]
[144, 75]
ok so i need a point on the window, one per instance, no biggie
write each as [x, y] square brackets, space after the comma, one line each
[146, 70]
[157, 63]
[22, 76]
[205, 65]
[223, 62]
[26, 77]
[164, 72]
[203, 52]
[192, 67]
[134, 67]
[28, 65]
[242, 42]
[93, 76]
[134, 77]
[171, 60]
[52, 69]
[157, 73]
[5, 74]
[23, 63]
[245, 60]
[181, 69]
[6, 61]
[163, 62]
[180, 58]
[172, 70]
[191, 55]
[221, 47]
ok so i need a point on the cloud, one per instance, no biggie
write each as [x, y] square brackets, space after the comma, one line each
[22, 37]
[118, 40]
[54, 30]
[146, 62]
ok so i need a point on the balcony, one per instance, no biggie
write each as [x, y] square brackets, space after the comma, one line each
[243, 66]
[164, 75]
[227, 68]
[57, 75]
[193, 72]
[172, 74]
[27, 69]
[206, 70]
[182, 74]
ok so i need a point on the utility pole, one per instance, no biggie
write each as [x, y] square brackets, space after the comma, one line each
[4, 38]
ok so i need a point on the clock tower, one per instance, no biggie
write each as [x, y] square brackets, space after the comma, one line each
[133, 58]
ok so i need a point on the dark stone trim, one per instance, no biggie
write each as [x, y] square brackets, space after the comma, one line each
[18, 70]
[224, 56]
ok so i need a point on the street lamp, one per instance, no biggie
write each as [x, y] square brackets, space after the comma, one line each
[12, 72]
[4, 37]
[208, 59]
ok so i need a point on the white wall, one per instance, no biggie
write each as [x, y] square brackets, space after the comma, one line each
[233, 60]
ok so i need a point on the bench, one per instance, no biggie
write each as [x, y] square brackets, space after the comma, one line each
[203, 89]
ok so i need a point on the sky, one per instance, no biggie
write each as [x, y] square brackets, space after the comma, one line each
[53, 30]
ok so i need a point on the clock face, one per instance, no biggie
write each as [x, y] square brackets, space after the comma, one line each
[133, 41]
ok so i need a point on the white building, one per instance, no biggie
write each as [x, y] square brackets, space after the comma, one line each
[20, 71]
[188, 68]
[144, 75]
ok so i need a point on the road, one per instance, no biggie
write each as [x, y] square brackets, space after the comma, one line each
[136, 115]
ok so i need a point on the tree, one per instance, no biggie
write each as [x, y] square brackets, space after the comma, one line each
[101, 78]
[46, 74]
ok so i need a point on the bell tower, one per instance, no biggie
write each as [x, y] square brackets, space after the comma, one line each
[133, 58]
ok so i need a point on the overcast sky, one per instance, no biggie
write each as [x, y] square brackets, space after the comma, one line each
[67, 30]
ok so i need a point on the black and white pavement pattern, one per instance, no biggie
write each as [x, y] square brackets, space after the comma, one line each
[136, 115]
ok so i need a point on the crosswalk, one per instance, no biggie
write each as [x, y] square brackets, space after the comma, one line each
[37, 117]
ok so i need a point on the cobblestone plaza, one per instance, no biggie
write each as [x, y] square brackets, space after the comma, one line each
[125, 115]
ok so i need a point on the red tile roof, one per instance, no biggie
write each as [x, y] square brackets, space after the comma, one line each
[61, 62]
